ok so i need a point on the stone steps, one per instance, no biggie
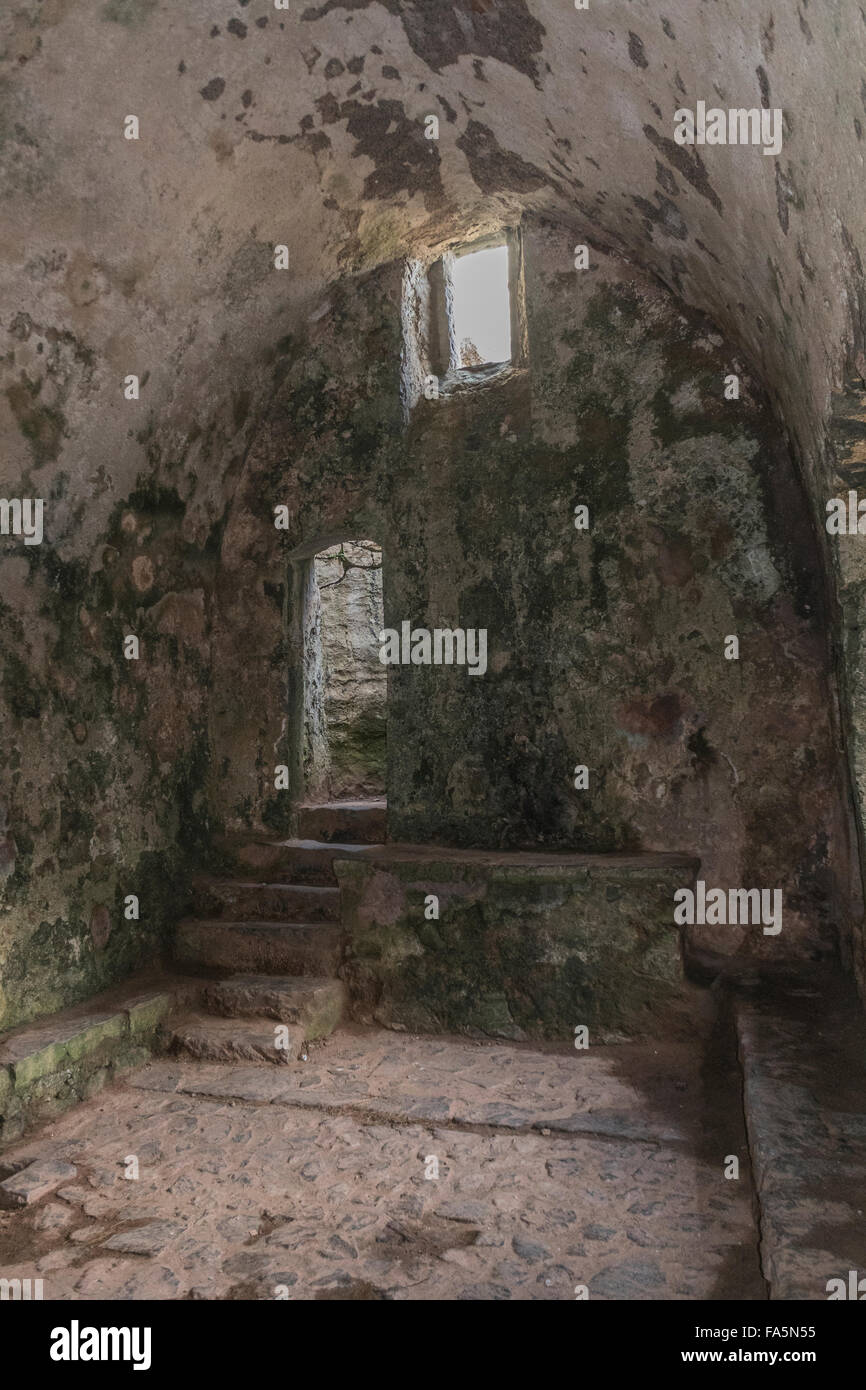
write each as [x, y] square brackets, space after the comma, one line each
[277, 948]
[294, 862]
[277, 928]
[211, 1039]
[240, 900]
[313, 1002]
[341, 822]
[312, 861]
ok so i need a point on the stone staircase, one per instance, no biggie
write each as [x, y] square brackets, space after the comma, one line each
[270, 941]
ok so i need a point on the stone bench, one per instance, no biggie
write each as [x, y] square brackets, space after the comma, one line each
[49, 1065]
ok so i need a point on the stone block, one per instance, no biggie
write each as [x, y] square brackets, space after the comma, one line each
[36, 1065]
[35, 1181]
[147, 1013]
[150, 1239]
[93, 1033]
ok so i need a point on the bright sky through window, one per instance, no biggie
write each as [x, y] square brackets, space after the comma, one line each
[480, 307]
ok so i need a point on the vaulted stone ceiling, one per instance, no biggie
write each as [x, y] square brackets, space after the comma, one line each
[305, 127]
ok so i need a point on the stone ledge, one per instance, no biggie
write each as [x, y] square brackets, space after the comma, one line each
[405, 852]
[516, 861]
[47, 1066]
[525, 945]
[802, 1046]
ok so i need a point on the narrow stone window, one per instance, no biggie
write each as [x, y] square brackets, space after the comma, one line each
[464, 319]
[480, 307]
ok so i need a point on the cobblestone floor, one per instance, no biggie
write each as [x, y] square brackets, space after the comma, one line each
[601, 1168]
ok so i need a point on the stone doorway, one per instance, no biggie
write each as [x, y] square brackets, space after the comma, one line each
[345, 684]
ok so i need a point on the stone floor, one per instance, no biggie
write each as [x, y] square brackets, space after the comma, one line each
[601, 1170]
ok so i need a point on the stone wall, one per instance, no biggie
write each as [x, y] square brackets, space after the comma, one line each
[156, 257]
[120, 771]
[103, 759]
[606, 646]
[520, 946]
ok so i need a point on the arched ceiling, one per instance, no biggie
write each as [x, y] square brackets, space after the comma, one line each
[306, 127]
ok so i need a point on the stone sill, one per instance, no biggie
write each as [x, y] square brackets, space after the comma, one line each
[464, 379]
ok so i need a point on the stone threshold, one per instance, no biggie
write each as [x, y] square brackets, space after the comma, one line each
[251, 1085]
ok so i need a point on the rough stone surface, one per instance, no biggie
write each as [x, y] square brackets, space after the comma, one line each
[231, 1040]
[314, 1004]
[34, 1182]
[279, 948]
[243, 1195]
[239, 901]
[802, 1042]
[46, 1067]
[148, 1012]
[261, 388]
[523, 946]
[149, 1239]
[338, 822]
[346, 712]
